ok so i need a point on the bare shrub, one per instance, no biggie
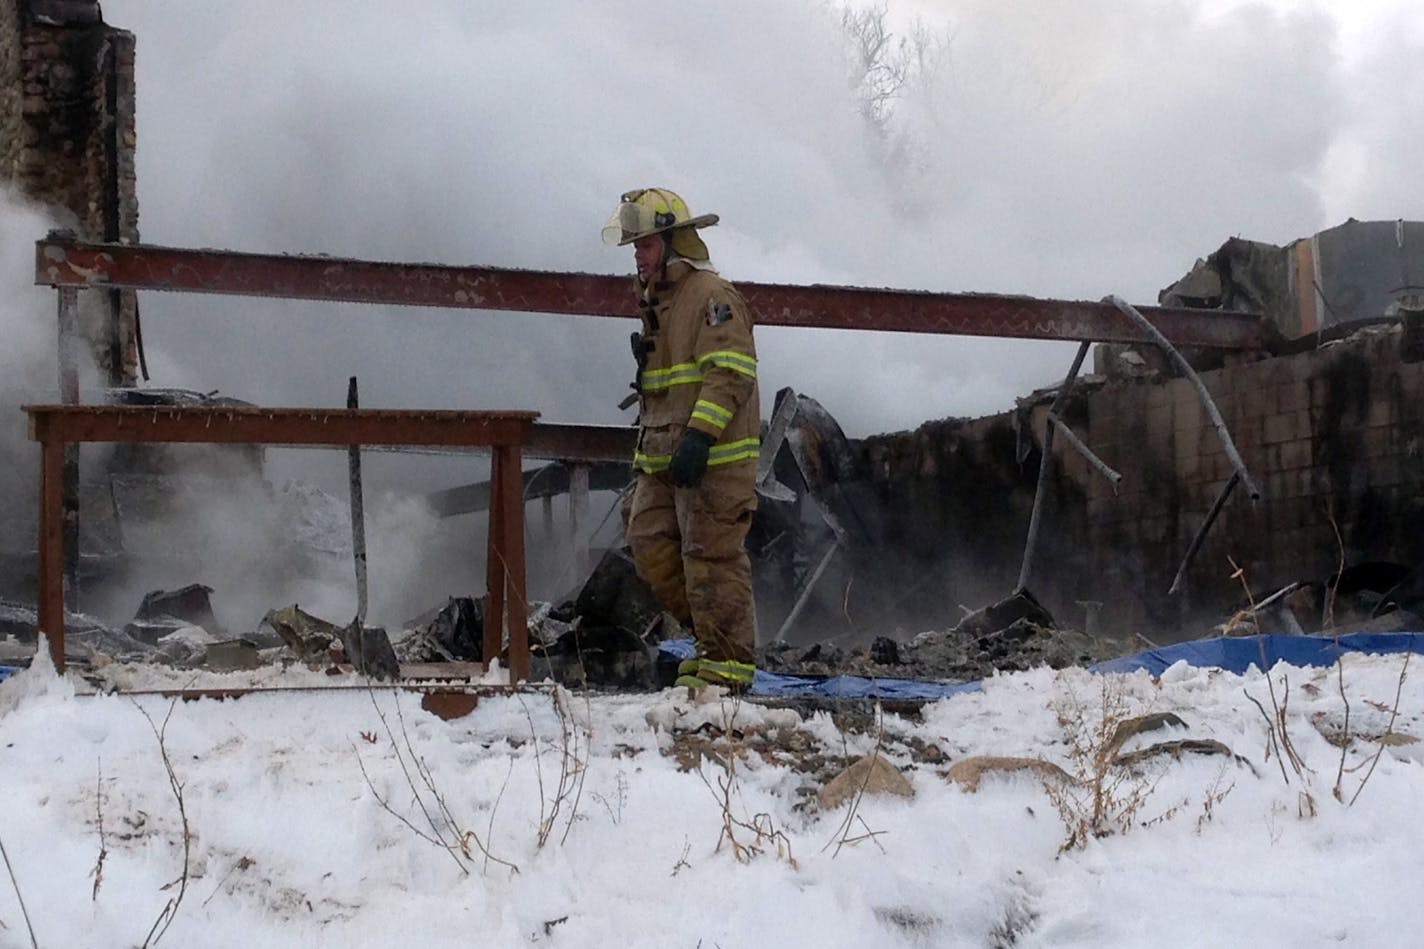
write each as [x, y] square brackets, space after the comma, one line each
[1102, 798]
[573, 765]
[444, 829]
[746, 836]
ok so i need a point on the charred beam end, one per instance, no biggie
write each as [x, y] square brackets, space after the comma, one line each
[61, 262]
[565, 442]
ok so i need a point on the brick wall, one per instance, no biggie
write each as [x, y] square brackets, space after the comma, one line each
[12, 125]
[67, 140]
[1334, 438]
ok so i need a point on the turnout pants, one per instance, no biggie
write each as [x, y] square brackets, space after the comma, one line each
[689, 545]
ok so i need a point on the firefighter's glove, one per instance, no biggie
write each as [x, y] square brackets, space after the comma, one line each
[689, 462]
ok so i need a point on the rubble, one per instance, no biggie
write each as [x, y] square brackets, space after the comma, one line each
[306, 635]
[369, 651]
[191, 604]
[453, 633]
[1014, 634]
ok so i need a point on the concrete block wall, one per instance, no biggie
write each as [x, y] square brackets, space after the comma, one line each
[1334, 437]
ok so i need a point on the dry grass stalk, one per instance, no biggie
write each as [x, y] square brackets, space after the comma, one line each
[1278, 736]
[573, 764]
[98, 872]
[169, 911]
[763, 832]
[15, 884]
[445, 831]
[1389, 728]
[1330, 597]
[843, 834]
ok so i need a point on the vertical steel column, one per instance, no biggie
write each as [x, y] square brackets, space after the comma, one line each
[69, 340]
[51, 548]
[1045, 465]
[358, 510]
[511, 519]
[578, 518]
[494, 564]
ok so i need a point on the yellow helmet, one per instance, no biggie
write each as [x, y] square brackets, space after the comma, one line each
[646, 211]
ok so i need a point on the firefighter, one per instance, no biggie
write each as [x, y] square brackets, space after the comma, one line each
[698, 437]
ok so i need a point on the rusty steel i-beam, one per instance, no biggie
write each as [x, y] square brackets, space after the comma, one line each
[63, 262]
[506, 610]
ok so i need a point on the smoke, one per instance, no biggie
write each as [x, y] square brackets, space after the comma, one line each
[1067, 152]
[1057, 150]
[28, 364]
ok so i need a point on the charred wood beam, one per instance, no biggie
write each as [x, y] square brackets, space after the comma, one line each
[62, 262]
[1208, 403]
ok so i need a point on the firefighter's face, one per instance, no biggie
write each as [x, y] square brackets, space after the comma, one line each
[648, 254]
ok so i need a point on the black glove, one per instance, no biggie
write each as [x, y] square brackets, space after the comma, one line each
[689, 462]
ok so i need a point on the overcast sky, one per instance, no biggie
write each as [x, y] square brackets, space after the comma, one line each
[1057, 150]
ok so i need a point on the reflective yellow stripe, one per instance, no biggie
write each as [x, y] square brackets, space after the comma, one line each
[719, 455]
[651, 464]
[729, 670]
[682, 373]
[734, 451]
[712, 413]
[726, 359]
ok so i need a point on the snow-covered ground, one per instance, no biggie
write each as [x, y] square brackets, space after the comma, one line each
[290, 843]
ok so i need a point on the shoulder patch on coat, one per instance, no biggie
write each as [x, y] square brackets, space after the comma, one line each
[718, 313]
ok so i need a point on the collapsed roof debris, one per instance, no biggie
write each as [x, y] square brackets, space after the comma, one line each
[1357, 272]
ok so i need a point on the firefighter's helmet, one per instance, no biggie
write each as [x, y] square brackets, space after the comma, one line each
[647, 211]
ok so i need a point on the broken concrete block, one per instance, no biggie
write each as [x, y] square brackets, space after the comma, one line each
[186, 647]
[369, 651]
[191, 603]
[872, 774]
[232, 655]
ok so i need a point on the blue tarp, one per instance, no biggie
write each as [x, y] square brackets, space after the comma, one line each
[774, 685]
[1237, 654]
[1234, 654]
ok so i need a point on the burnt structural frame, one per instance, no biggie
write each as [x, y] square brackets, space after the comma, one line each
[70, 265]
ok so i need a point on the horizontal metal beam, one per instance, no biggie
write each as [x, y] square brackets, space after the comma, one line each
[62, 262]
[275, 426]
[563, 442]
[545, 482]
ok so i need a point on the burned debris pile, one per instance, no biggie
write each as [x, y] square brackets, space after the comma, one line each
[1014, 634]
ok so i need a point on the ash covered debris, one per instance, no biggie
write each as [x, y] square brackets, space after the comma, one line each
[1014, 634]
